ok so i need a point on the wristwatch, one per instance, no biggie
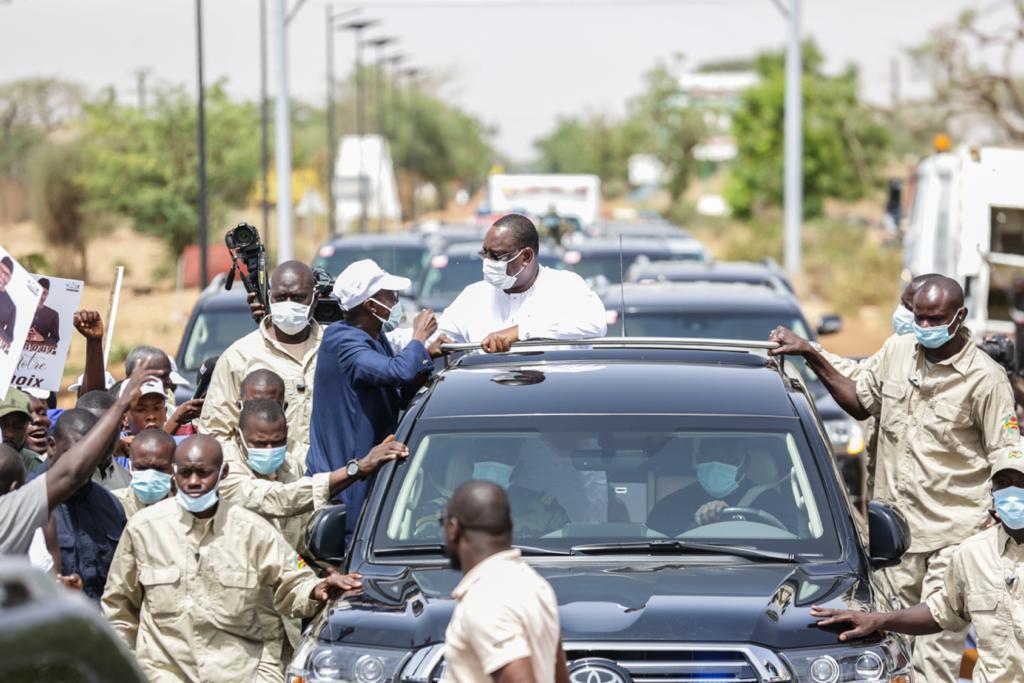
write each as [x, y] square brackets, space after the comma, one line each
[352, 469]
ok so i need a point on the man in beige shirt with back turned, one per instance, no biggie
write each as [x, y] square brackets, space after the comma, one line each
[286, 342]
[943, 408]
[505, 627]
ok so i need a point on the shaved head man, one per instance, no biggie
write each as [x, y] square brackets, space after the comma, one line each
[263, 384]
[227, 562]
[285, 345]
[505, 626]
[152, 460]
[943, 408]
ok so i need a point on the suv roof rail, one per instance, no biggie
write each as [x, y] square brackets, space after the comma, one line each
[748, 345]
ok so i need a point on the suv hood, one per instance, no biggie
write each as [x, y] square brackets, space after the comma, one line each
[768, 604]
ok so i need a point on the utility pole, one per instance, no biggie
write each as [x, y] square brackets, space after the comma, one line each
[380, 44]
[331, 138]
[140, 86]
[794, 188]
[264, 128]
[204, 273]
[283, 141]
[391, 103]
[358, 27]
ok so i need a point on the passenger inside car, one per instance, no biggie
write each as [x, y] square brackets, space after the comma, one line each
[728, 477]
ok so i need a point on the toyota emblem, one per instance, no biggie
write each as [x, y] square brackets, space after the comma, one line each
[597, 671]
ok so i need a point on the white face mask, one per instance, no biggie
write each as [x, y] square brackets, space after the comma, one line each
[496, 272]
[289, 317]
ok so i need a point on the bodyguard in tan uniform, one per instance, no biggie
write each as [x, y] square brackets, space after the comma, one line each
[260, 477]
[152, 458]
[984, 586]
[943, 406]
[286, 342]
[505, 625]
[197, 586]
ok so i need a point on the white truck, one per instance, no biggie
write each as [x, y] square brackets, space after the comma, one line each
[578, 196]
[967, 222]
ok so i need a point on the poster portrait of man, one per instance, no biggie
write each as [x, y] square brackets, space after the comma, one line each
[46, 324]
[8, 311]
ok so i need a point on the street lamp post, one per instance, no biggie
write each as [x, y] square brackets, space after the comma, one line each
[413, 75]
[283, 139]
[793, 201]
[331, 144]
[395, 61]
[380, 44]
[264, 126]
[201, 144]
[358, 27]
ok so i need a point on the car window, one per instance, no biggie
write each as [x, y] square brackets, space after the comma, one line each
[710, 325]
[213, 332]
[402, 261]
[574, 479]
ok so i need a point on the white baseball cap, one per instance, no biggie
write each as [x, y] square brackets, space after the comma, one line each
[107, 378]
[363, 279]
[151, 386]
[176, 377]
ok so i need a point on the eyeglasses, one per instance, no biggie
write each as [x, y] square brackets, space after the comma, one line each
[504, 258]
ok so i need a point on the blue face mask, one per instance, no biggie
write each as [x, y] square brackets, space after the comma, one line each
[150, 486]
[394, 318]
[201, 503]
[264, 460]
[934, 337]
[1010, 506]
[717, 478]
[902, 320]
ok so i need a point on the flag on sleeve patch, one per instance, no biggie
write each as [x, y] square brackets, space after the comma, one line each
[1010, 424]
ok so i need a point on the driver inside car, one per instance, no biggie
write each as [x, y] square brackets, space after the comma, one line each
[722, 484]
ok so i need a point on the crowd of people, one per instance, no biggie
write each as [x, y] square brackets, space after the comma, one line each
[185, 522]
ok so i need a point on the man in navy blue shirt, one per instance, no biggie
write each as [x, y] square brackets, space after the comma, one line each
[90, 522]
[361, 383]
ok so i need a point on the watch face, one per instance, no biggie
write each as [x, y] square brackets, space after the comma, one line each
[353, 469]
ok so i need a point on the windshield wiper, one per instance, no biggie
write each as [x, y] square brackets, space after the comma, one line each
[669, 545]
[438, 549]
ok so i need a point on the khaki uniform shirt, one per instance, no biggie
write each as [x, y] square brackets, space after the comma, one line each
[202, 599]
[850, 368]
[505, 611]
[984, 585]
[285, 498]
[258, 351]
[130, 502]
[937, 425]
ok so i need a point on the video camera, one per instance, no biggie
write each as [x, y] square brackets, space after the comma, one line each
[246, 250]
[1001, 349]
[244, 245]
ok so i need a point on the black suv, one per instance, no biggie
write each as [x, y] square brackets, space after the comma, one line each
[592, 443]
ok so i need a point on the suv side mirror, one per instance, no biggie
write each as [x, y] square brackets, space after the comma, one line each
[888, 533]
[325, 535]
[830, 323]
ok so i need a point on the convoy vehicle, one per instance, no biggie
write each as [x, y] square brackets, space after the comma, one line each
[605, 260]
[48, 633]
[219, 318]
[578, 196]
[967, 221]
[459, 266]
[746, 272]
[404, 254]
[738, 311]
[596, 443]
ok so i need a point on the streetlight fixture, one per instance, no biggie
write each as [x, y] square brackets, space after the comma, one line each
[332, 139]
[358, 27]
[201, 144]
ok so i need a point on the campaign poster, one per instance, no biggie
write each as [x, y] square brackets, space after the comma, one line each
[49, 337]
[19, 298]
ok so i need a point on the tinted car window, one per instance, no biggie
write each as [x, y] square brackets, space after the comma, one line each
[710, 325]
[403, 261]
[213, 332]
[574, 479]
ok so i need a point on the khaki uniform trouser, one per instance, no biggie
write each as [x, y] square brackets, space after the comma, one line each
[936, 657]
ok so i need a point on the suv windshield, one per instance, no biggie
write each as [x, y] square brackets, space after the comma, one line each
[406, 262]
[581, 479]
[213, 332]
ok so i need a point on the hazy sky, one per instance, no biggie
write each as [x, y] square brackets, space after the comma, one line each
[517, 67]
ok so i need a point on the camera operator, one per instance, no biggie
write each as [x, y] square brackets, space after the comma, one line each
[286, 343]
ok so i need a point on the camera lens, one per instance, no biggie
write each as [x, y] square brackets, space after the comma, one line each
[244, 236]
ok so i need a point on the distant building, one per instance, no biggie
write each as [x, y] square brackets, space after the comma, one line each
[717, 95]
[365, 169]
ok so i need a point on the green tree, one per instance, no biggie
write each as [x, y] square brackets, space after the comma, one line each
[58, 204]
[31, 109]
[843, 147]
[143, 164]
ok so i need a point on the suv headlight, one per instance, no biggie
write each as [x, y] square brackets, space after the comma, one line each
[886, 662]
[317, 662]
[846, 434]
